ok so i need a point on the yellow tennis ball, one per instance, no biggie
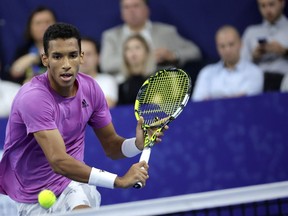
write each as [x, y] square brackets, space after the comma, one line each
[46, 198]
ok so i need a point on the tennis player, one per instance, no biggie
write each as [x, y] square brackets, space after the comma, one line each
[44, 143]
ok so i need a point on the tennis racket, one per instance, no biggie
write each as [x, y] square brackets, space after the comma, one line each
[160, 100]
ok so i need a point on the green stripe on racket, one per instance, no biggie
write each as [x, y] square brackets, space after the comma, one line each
[160, 100]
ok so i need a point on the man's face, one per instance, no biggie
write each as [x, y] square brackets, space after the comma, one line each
[271, 10]
[228, 46]
[90, 60]
[62, 60]
[134, 12]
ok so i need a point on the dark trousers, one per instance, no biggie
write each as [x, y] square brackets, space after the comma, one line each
[272, 81]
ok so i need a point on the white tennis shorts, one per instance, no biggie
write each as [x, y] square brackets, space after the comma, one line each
[74, 195]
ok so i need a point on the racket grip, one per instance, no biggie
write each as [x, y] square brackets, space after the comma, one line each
[145, 155]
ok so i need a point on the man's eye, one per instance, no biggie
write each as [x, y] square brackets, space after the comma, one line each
[56, 56]
[74, 55]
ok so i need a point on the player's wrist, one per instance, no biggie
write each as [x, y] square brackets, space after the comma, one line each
[119, 182]
[129, 148]
[102, 178]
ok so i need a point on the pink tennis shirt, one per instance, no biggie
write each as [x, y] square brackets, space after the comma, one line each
[24, 169]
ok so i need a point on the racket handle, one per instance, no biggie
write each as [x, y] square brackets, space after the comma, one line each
[145, 155]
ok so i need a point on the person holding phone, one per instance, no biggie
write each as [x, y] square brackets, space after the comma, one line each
[231, 76]
[266, 44]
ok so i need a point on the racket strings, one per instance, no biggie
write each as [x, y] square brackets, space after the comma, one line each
[166, 93]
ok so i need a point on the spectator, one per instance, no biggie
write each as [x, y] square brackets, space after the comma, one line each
[231, 77]
[138, 64]
[284, 84]
[266, 43]
[164, 40]
[107, 82]
[27, 62]
[8, 91]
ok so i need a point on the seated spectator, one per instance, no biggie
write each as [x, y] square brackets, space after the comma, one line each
[90, 66]
[138, 64]
[169, 48]
[266, 44]
[8, 91]
[231, 77]
[284, 84]
[27, 62]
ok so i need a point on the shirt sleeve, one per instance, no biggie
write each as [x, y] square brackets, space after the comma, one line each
[201, 89]
[36, 110]
[246, 50]
[254, 83]
[101, 115]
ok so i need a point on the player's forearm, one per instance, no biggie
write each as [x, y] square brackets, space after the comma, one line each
[112, 146]
[71, 168]
[113, 149]
[78, 171]
[110, 141]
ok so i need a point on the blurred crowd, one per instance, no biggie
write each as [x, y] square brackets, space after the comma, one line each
[127, 54]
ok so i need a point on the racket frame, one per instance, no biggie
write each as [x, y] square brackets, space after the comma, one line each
[149, 142]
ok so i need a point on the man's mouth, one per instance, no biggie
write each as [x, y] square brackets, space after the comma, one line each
[66, 76]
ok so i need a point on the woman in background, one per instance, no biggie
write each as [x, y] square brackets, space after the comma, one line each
[27, 62]
[138, 64]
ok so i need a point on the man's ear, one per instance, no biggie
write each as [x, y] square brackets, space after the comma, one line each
[81, 57]
[44, 59]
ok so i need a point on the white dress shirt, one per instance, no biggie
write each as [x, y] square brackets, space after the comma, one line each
[216, 81]
[108, 85]
[276, 32]
[8, 90]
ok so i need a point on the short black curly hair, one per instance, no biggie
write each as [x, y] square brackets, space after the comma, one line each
[60, 31]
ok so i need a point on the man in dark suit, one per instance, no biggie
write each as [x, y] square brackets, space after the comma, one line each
[167, 45]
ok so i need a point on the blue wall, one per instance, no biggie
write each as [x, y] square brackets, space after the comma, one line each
[196, 20]
[212, 145]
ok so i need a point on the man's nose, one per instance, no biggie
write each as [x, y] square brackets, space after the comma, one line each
[66, 64]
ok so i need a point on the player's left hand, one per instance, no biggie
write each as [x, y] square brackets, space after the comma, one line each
[140, 134]
[138, 172]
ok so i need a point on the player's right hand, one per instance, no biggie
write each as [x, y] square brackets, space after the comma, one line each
[138, 172]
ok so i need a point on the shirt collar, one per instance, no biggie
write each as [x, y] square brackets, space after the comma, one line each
[146, 32]
[147, 28]
[280, 23]
[239, 66]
